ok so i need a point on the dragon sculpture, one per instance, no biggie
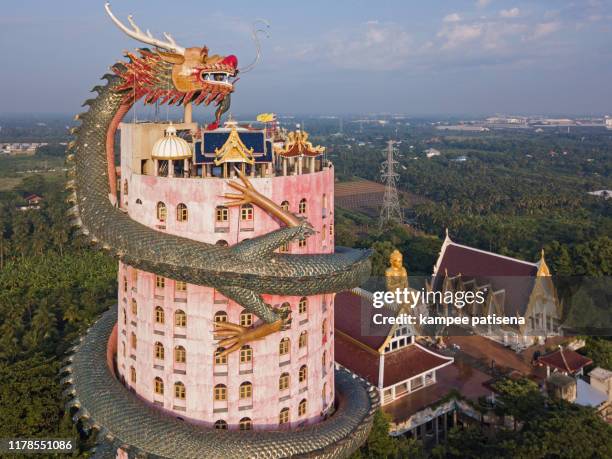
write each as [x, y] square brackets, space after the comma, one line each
[171, 74]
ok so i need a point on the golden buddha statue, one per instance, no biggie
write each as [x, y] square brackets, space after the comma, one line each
[396, 275]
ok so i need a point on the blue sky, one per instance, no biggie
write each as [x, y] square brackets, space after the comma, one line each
[416, 57]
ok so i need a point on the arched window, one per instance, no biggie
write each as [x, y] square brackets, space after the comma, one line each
[303, 342]
[284, 248]
[324, 233]
[302, 243]
[303, 305]
[159, 351]
[133, 340]
[302, 407]
[331, 229]
[159, 315]
[323, 361]
[133, 374]
[180, 318]
[324, 394]
[221, 243]
[181, 213]
[180, 354]
[221, 214]
[125, 187]
[246, 212]
[125, 284]
[283, 416]
[159, 386]
[285, 205]
[246, 390]
[283, 382]
[246, 424]
[161, 211]
[303, 374]
[134, 307]
[324, 328]
[246, 319]
[220, 316]
[283, 346]
[246, 354]
[221, 425]
[124, 317]
[179, 390]
[220, 393]
[220, 359]
[324, 204]
[138, 201]
[302, 206]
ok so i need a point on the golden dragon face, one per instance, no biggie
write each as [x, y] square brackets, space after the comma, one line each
[170, 73]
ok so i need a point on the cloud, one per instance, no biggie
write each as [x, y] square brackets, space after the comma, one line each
[372, 46]
[459, 34]
[545, 28]
[453, 17]
[511, 13]
[482, 3]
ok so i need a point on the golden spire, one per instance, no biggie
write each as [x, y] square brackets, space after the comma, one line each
[234, 150]
[297, 144]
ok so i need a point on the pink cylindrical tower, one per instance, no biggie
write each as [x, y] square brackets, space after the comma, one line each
[167, 352]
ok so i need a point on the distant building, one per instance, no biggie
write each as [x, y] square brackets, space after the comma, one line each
[608, 123]
[606, 194]
[431, 152]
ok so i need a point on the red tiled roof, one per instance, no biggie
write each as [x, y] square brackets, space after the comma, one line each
[410, 361]
[566, 360]
[360, 361]
[463, 378]
[514, 276]
[353, 314]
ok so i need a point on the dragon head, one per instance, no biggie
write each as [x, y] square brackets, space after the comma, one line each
[173, 74]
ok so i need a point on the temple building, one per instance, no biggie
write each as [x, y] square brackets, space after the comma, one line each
[222, 341]
[412, 379]
[175, 176]
[511, 287]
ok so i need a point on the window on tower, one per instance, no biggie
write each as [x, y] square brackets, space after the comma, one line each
[180, 318]
[303, 305]
[220, 359]
[302, 407]
[303, 374]
[246, 354]
[159, 386]
[161, 211]
[283, 382]
[246, 212]
[285, 205]
[246, 319]
[283, 417]
[181, 213]
[159, 351]
[221, 214]
[302, 206]
[159, 315]
[246, 424]
[221, 425]
[220, 393]
[303, 342]
[246, 390]
[284, 346]
[180, 354]
[179, 390]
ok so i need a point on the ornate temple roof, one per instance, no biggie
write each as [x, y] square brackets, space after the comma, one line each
[565, 360]
[234, 150]
[297, 144]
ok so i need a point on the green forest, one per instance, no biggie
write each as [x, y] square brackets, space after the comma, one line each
[53, 288]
